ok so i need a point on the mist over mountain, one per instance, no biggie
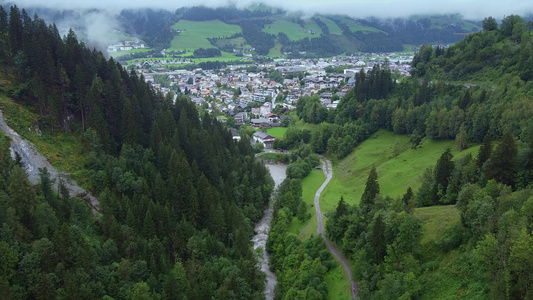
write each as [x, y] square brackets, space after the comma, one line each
[473, 9]
[366, 26]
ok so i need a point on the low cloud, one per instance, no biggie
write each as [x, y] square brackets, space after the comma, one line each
[470, 9]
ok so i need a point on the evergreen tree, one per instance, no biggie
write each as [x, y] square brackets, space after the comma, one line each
[503, 163]
[485, 152]
[443, 171]
[377, 240]
[370, 192]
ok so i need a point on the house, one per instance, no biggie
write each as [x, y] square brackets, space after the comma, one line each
[272, 117]
[241, 117]
[222, 119]
[258, 123]
[266, 108]
[263, 138]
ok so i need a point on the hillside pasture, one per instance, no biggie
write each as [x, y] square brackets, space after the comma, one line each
[398, 167]
[294, 31]
[194, 34]
[332, 26]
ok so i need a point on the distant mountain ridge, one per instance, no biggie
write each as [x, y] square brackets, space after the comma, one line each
[274, 32]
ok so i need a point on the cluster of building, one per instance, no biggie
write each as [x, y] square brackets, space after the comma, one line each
[232, 90]
[126, 46]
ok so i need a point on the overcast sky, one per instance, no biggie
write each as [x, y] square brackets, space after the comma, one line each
[471, 9]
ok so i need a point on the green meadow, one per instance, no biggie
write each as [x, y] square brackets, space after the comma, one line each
[446, 275]
[195, 33]
[338, 284]
[277, 131]
[353, 25]
[293, 30]
[398, 166]
[332, 26]
[310, 185]
[275, 51]
[435, 220]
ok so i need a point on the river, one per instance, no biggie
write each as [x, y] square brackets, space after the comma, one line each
[262, 230]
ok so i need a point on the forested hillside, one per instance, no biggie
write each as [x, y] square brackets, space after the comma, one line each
[178, 196]
[485, 255]
[476, 91]
[297, 36]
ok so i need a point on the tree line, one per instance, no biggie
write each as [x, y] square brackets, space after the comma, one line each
[178, 196]
[301, 271]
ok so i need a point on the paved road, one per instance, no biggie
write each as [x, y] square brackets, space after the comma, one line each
[33, 161]
[328, 171]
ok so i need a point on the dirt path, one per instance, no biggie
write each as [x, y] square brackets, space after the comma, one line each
[328, 171]
[33, 161]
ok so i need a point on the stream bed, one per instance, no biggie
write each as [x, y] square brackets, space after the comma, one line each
[262, 230]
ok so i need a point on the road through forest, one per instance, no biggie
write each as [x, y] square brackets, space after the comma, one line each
[328, 171]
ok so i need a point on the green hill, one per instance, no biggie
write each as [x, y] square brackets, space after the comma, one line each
[398, 165]
[195, 34]
[320, 36]
[293, 30]
[332, 26]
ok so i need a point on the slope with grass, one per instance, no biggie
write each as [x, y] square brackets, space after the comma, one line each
[277, 131]
[332, 26]
[354, 26]
[336, 278]
[194, 34]
[446, 275]
[63, 150]
[294, 31]
[398, 165]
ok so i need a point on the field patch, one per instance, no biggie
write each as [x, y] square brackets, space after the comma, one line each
[310, 185]
[294, 31]
[436, 219]
[277, 131]
[398, 167]
[332, 26]
[194, 34]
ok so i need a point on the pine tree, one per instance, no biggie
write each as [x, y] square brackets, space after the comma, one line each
[443, 171]
[503, 163]
[22, 196]
[485, 152]
[371, 191]
[377, 240]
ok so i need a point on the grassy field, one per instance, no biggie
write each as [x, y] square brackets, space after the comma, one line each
[449, 275]
[310, 185]
[197, 32]
[332, 26]
[336, 278]
[275, 52]
[395, 172]
[354, 26]
[436, 219]
[338, 284]
[293, 30]
[277, 131]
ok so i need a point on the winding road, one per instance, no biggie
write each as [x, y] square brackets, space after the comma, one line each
[32, 161]
[328, 171]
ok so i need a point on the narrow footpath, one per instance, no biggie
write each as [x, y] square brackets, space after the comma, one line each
[328, 171]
